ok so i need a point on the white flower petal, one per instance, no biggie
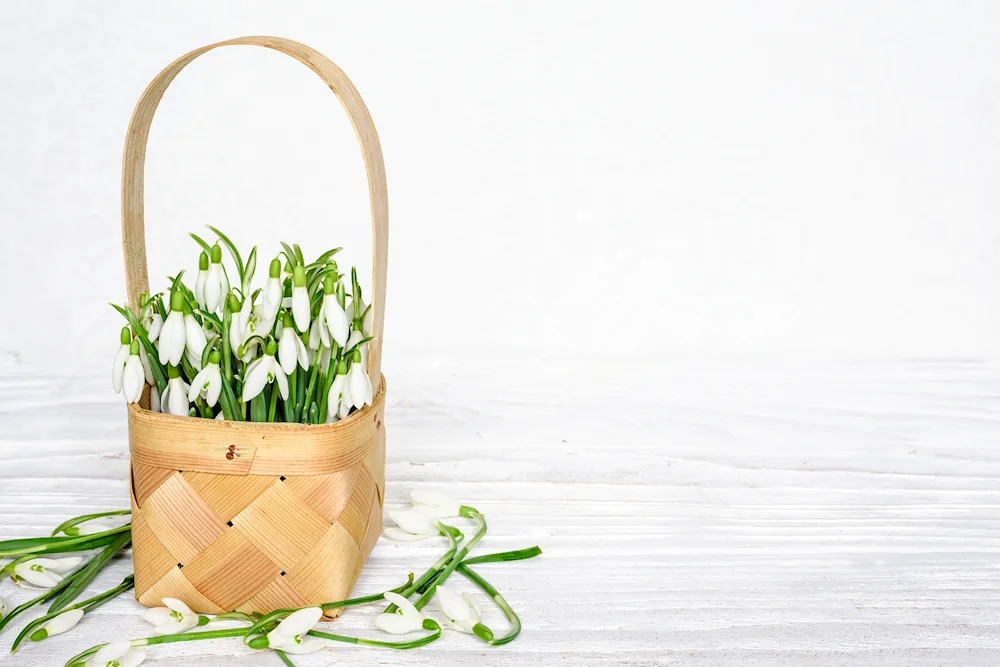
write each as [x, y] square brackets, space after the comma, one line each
[176, 401]
[256, 378]
[157, 616]
[336, 319]
[64, 622]
[58, 565]
[146, 368]
[134, 657]
[456, 609]
[300, 308]
[177, 605]
[399, 535]
[396, 624]
[296, 624]
[213, 287]
[413, 522]
[214, 386]
[154, 327]
[134, 379]
[194, 337]
[361, 386]
[279, 376]
[435, 504]
[287, 351]
[109, 653]
[307, 646]
[118, 367]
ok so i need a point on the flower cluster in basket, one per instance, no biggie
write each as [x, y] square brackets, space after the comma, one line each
[293, 350]
[286, 631]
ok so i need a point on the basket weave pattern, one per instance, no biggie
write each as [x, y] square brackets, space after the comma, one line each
[230, 532]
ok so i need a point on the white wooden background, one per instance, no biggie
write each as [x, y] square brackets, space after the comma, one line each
[747, 515]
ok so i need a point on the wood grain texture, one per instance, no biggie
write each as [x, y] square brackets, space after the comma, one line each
[775, 516]
[134, 159]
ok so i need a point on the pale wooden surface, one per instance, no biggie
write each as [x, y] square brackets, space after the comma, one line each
[134, 162]
[809, 515]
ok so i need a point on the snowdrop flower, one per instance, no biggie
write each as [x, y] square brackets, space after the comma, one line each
[340, 395]
[319, 335]
[134, 378]
[118, 654]
[174, 332]
[194, 339]
[272, 291]
[216, 283]
[208, 382]
[412, 525]
[333, 313]
[291, 349]
[357, 337]
[461, 611]
[174, 400]
[290, 637]
[262, 371]
[435, 504]
[241, 315]
[64, 622]
[46, 572]
[121, 358]
[172, 619]
[152, 322]
[147, 370]
[87, 528]
[301, 306]
[405, 619]
[199, 283]
[361, 384]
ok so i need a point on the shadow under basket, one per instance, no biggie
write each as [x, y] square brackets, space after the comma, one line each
[253, 517]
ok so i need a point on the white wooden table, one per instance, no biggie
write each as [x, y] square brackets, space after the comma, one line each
[750, 515]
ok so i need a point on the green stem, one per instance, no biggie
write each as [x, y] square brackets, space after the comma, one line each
[432, 571]
[274, 400]
[86, 605]
[502, 556]
[83, 577]
[494, 594]
[284, 658]
[75, 521]
[49, 545]
[469, 513]
[413, 643]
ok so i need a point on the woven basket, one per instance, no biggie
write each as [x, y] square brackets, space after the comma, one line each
[248, 516]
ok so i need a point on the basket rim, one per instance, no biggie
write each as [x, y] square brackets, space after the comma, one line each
[136, 411]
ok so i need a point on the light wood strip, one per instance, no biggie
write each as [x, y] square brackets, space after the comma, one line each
[231, 571]
[181, 519]
[281, 526]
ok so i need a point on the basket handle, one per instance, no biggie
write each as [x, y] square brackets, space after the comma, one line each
[133, 161]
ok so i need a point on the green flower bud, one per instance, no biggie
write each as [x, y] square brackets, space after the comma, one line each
[483, 632]
[216, 254]
[214, 357]
[275, 271]
[431, 624]
[39, 635]
[234, 304]
[173, 372]
[134, 348]
[258, 642]
[177, 301]
[356, 356]
[272, 348]
[299, 276]
[287, 320]
[126, 336]
[329, 285]
[203, 261]
[342, 367]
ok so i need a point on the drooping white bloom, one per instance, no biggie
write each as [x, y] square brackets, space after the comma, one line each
[174, 400]
[216, 282]
[208, 382]
[241, 317]
[338, 402]
[147, 370]
[357, 308]
[220, 417]
[87, 528]
[152, 322]
[301, 306]
[461, 611]
[291, 349]
[435, 504]
[174, 618]
[333, 313]
[272, 291]
[199, 283]
[361, 384]
[319, 335]
[46, 572]
[290, 635]
[357, 337]
[118, 654]
[121, 357]
[406, 618]
[134, 378]
[194, 338]
[262, 371]
[174, 333]
[64, 622]
[412, 525]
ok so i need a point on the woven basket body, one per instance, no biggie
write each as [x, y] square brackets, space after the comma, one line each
[244, 516]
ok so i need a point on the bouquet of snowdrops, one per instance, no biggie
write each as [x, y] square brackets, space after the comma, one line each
[294, 350]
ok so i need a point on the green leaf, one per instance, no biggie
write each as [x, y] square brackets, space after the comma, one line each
[504, 556]
[322, 258]
[289, 253]
[249, 270]
[298, 254]
[176, 283]
[82, 579]
[232, 251]
[204, 245]
[75, 521]
[319, 277]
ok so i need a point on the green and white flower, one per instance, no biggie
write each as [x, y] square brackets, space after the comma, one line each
[406, 618]
[46, 572]
[118, 654]
[435, 504]
[121, 358]
[461, 611]
[411, 525]
[174, 618]
[290, 635]
[64, 622]
[208, 382]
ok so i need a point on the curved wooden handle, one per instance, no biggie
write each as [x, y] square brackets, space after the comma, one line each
[133, 163]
